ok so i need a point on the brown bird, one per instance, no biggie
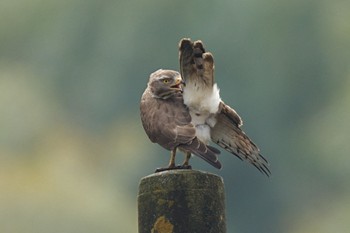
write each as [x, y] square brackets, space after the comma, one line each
[167, 121]
[213, 119]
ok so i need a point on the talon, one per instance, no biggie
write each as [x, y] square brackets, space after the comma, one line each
[161, 169]
[178, 167]
[186, 166]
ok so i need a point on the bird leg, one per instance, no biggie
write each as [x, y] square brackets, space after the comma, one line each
[172, 166]
[171, 162]
[186, 163]
[172, 159]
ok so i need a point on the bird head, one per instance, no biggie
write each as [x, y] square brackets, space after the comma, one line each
[165, 83]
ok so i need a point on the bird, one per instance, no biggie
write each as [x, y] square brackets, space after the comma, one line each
[214, 120]
[167, 120]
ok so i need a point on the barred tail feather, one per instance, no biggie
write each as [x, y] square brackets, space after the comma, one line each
[207, 153]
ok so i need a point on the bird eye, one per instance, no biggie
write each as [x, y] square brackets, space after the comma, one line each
[165, 81]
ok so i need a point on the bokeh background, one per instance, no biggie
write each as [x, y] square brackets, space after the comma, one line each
[72, 148]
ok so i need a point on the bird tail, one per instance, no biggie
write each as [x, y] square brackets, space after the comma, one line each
[205, 152]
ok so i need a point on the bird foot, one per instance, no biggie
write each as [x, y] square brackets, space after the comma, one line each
[185, 167]
[173, 168]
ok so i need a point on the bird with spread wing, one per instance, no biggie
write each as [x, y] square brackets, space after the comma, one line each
[190, 116]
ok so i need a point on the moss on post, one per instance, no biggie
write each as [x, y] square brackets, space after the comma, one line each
[181, 201]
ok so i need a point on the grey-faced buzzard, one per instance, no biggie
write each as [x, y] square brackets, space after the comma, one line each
[167, 121]
[188, 117]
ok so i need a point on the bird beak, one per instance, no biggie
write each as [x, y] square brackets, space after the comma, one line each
[183, 83]
[178, 84]
[179, 81]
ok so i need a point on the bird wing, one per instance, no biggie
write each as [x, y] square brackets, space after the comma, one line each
[227, 134]
[168, 123]
[197, 66]
[195, 63]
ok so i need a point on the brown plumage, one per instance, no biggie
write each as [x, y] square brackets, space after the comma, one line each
[221, 123]
[167, 120]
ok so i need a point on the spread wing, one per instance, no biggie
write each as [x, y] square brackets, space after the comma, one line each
[228, 135]
[195, 63]
[197, 66]
[168, 123]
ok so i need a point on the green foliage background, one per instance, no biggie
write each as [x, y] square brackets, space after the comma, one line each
[72, 148]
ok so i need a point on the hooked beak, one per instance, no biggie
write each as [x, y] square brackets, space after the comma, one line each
[183, 83]
[178, 84]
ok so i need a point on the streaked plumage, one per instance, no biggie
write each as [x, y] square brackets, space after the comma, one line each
[214, 120]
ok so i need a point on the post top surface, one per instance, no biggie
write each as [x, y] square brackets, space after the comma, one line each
[181, 179]
[184, 172]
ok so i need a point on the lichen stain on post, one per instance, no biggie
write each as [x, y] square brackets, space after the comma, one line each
[161, 202]
[162, 225]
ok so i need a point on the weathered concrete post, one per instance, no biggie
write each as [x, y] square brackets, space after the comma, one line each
[181, 201]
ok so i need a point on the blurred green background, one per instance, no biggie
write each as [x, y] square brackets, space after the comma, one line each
[72, 148]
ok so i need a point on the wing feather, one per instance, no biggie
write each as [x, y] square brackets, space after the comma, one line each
[196, 65]
[168, 123]
[227, 134]
[197, 69]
